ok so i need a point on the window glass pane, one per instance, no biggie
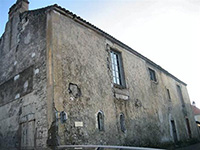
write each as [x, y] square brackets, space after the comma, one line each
[113, 67]
[118, 81]
[114, 80]
[152, 75]
[115, 56]
[117, 74]
[116, 67]
[113, 73]
[115, 62]
[112, 61]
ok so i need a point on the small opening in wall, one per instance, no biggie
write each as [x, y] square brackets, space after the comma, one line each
[122, 122]
[168, 94]
[100, 120]
[152, 74]
[26, 19]
[188, 127]
[63, 117]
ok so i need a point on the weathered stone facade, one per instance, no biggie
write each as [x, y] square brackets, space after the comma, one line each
[56, 77]
[23, 103]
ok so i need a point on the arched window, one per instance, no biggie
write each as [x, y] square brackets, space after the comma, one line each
[122, 122]
[100, 120]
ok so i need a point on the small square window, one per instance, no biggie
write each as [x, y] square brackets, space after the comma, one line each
[152, 74]
[117, 69]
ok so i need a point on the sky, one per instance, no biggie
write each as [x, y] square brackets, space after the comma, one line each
[165, 31]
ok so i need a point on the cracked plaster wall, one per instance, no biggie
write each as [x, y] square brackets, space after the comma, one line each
[23, 82]
[81, 56]
[69, 65]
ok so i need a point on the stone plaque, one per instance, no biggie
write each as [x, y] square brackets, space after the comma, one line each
[78, 124]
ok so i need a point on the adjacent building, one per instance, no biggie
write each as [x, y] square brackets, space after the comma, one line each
[196, 112]
[64, 81]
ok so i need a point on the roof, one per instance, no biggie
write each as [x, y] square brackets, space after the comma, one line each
[111, 38]
[195, 110]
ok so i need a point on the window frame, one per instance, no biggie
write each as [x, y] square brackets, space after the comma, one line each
[120, 69]
[152, 71]
[100, 121]
[168, 94]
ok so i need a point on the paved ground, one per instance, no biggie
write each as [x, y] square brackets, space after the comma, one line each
[191, 147]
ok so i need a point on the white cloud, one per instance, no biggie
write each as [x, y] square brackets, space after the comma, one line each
[167, 32]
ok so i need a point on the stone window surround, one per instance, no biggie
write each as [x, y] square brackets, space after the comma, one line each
[120, 71]
[168, 94]
[100, 121]
[152, 75]
[150, 67]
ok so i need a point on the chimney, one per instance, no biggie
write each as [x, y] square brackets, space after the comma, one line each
[193, 103]
[19, 7]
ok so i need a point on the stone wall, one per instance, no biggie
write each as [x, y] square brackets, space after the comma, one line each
[56, 78]
[81, 57]
[23, 119]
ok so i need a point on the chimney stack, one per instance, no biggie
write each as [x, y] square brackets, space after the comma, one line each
[193, 103]
[19, 7]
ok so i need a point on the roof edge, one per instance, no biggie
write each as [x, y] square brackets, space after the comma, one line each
[106, 35]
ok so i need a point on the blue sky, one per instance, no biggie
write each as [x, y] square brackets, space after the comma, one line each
[166, 31]
[83, 7]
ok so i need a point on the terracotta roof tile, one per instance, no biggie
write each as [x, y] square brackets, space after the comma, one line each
[196, 110]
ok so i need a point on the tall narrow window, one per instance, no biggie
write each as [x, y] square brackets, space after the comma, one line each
[180, 95]
[117, 69]
[122, 122]
[174, 131]
[100, 120]
[152, 74]
[168, 94]
[188, 127]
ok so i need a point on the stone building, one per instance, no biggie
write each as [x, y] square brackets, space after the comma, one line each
[64, 81]
[196, 112]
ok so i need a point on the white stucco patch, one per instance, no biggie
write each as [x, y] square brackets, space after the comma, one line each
[36, 71]
[17, 96]
[33, 55]
[78, 124]
[16, 77]
[25, 85]
[121, 96]
[71, 98]
[15, 63]
[27, 38]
